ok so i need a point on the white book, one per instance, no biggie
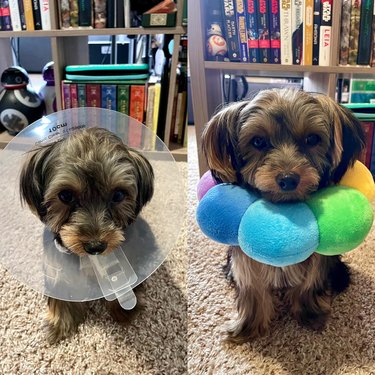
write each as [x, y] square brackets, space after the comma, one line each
[127, 13]
[45, 14]
[15, 15]
[325, 40]
[298, 10]
[286, 32]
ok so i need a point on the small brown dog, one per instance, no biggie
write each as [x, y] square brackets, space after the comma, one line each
[284, 144]
[86, 188]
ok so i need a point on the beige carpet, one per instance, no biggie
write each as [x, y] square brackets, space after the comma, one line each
[154, 341]
[347, 346]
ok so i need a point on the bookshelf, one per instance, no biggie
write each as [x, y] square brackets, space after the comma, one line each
[70, 47]
[206, 86]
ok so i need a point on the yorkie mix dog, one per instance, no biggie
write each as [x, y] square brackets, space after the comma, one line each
[283, 144]
[87, 189]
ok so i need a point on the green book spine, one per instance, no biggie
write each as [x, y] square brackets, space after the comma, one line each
[81, 95]
[123, 99]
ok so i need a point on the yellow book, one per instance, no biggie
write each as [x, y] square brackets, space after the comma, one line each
[308, 32]
[29, 17]
[156, 107]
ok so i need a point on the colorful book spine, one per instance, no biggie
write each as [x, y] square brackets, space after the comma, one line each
[6, 22]
[373, 38]
[372, 162]
[45, 14]
[365, 32]
[297, 31]
[365, 157]
[109, 97]
[29, 16]
[84, 13]
[81, 88]
[325, 33]
[252, 30]
[64, 11]
[136, 111]
[73, 95]
[21, 9]
[230, 30]
[93, 95]
[65, 93]
[150, 105]
[123, 99]
[308, 22]
[274, 8]
[316, 33]
[264, 32]
[345, 30]
[286, 32]
[74, 13]
[355, 16]
[241, 26]
[37, 15]
[15, 15]
[156, 107]
[100, 14]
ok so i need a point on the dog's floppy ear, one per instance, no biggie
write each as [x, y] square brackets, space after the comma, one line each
[32, 179]
[347, 137]
[145, 178]
[219, 143]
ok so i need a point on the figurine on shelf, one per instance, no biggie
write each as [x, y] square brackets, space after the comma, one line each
[20, 105]
[47, 91]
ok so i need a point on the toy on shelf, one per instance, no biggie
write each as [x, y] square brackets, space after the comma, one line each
[332, 221]
[20, 105]
[47, 91]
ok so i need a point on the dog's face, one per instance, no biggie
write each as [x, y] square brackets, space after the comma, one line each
[87, 188]
[285, 144]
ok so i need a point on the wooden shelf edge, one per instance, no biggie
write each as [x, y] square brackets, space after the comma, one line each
[86, 32]
[218, 65]
[178, 152]
[5, 138]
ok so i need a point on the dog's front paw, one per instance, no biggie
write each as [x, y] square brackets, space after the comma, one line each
[242, 331]
[59, 330]
[316, 321]
[63, 319]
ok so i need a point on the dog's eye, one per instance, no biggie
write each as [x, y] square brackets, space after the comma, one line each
[118, 196]
[259, 143]
[312, 140]
[66, 196]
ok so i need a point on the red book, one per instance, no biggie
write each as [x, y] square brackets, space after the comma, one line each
[365, 158]
[73, 95]
[93, 97]
[136, 111]
[264, 31]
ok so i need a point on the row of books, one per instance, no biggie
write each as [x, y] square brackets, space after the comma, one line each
[269, 31]
[138, 99]
[101, 14]
[357, 45]
[29, 15]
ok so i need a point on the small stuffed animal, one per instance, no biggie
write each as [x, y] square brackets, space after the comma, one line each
[332, 221]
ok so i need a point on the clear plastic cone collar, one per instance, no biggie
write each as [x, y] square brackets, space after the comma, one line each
[28, 249]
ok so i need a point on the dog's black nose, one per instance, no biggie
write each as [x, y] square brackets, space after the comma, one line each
[288, 182]
[94, 247]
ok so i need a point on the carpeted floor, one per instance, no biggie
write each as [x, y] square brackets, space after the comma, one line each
[347, 346]
[153, 342]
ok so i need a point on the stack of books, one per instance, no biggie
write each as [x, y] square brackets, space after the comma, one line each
[269, 31]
